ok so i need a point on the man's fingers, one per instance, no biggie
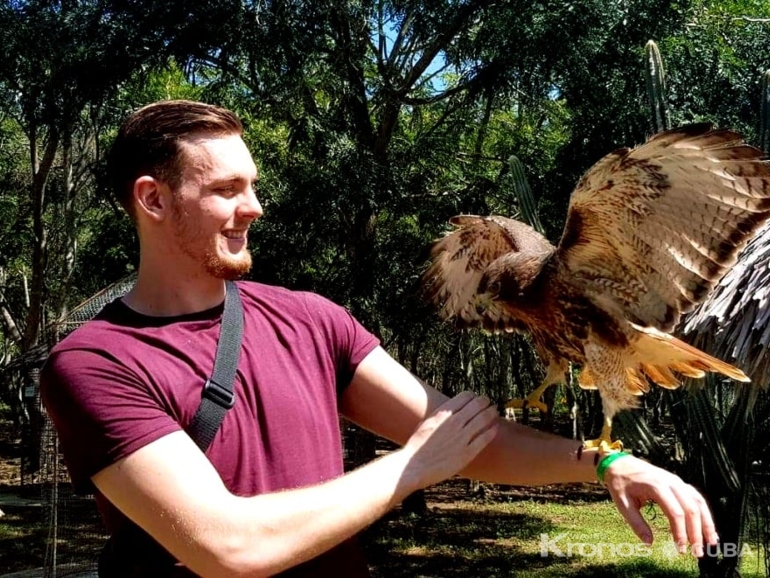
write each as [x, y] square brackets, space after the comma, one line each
[634, 482]
[455, 404]
[709, 529]
[454, 435]
[465, 406]
[692, 518]
[634, 518]
[677, 518]
[475, 417]
[700, 524]
[479, 409]
[483, 439]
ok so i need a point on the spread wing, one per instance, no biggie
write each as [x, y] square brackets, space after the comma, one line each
[651, 230]
[458, 261]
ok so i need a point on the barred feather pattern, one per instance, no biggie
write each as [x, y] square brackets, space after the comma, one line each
[650, 231]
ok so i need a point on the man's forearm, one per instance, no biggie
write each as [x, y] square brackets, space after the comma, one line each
[270, 533]
[520, 455]
[171, 490]
[186, 508]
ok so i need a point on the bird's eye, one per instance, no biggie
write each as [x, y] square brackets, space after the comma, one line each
[494, 287]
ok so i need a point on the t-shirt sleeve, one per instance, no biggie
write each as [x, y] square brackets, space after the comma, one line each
[348, 341]
[101, 411]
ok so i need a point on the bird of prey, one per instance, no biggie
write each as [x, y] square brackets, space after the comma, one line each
[649, 232]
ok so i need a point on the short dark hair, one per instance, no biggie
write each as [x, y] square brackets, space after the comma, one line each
[148, 142]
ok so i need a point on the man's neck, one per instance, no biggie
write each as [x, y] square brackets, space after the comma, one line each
[166, 293]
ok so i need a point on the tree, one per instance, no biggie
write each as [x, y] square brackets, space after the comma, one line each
[64, 65]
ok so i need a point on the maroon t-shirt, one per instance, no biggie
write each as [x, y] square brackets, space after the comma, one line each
[124, 380]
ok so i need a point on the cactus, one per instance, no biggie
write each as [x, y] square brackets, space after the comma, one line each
[524, 194]
[656, 87]
[764, 114]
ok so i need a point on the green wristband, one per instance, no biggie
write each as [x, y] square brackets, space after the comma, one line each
[606, 461]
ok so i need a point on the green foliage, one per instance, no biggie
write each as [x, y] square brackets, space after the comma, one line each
[372, 123]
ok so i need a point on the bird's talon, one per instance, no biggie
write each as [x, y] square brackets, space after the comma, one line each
[604, 446]
[527, 404]
[540, 405]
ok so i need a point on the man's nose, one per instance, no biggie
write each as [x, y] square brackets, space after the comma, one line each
[251, 207]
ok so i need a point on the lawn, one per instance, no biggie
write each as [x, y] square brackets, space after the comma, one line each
[505, 533]
[550, 532]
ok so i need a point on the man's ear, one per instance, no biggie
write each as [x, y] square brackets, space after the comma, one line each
[152, 198]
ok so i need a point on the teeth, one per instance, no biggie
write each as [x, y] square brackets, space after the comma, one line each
[234, 235]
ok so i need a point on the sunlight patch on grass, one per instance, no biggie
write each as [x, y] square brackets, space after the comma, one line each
[21, 543]
[526, 539]
[598, 534]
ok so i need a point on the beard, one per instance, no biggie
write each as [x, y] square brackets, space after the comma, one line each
[199, 246]
[225, 266]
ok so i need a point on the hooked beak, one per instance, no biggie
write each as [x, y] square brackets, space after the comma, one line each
[482, 303]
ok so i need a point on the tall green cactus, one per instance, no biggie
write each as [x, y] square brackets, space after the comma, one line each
[764, 114]
[524, 194]
[656, 87]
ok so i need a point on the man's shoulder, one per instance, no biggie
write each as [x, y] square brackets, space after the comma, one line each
[262, 293]
[102, 328]
[297, 308]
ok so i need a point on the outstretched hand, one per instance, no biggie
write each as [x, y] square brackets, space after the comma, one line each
[446, 441]
[633, 482]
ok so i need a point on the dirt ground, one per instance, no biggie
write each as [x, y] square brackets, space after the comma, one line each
[10, 455]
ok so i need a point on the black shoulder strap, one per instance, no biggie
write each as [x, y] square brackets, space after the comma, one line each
[218, 395]
[131, 552]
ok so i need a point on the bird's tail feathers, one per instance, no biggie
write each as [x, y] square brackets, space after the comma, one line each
[661, 357]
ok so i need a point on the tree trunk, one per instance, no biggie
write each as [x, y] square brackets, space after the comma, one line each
[41, 172]
[70, 240]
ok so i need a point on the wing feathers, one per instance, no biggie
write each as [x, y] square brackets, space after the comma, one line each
[458, 262]
[651, 230]
[660, 350]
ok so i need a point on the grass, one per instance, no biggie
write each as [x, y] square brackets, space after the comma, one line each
[502, 536]
[22, 540]
[495, 536]
[26, 537]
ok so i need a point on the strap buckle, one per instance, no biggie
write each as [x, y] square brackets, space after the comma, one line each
[221, 396]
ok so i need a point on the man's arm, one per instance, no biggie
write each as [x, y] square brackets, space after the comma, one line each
[387, 399]
[171, 490]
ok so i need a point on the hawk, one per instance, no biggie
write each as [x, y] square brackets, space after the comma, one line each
[649, 233]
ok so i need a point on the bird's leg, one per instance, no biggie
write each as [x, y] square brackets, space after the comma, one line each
[607, 368]
[532, 401]
[554, 374]
[604, 442]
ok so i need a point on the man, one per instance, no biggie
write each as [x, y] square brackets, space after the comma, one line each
[269, 495]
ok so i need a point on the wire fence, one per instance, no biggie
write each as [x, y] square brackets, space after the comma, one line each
[73, 527]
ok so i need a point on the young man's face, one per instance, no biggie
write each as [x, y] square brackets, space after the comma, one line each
[215, 204]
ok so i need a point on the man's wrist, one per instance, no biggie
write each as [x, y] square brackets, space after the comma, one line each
[410, 478]
[590, 455]
[583, 461]
[606, 460]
